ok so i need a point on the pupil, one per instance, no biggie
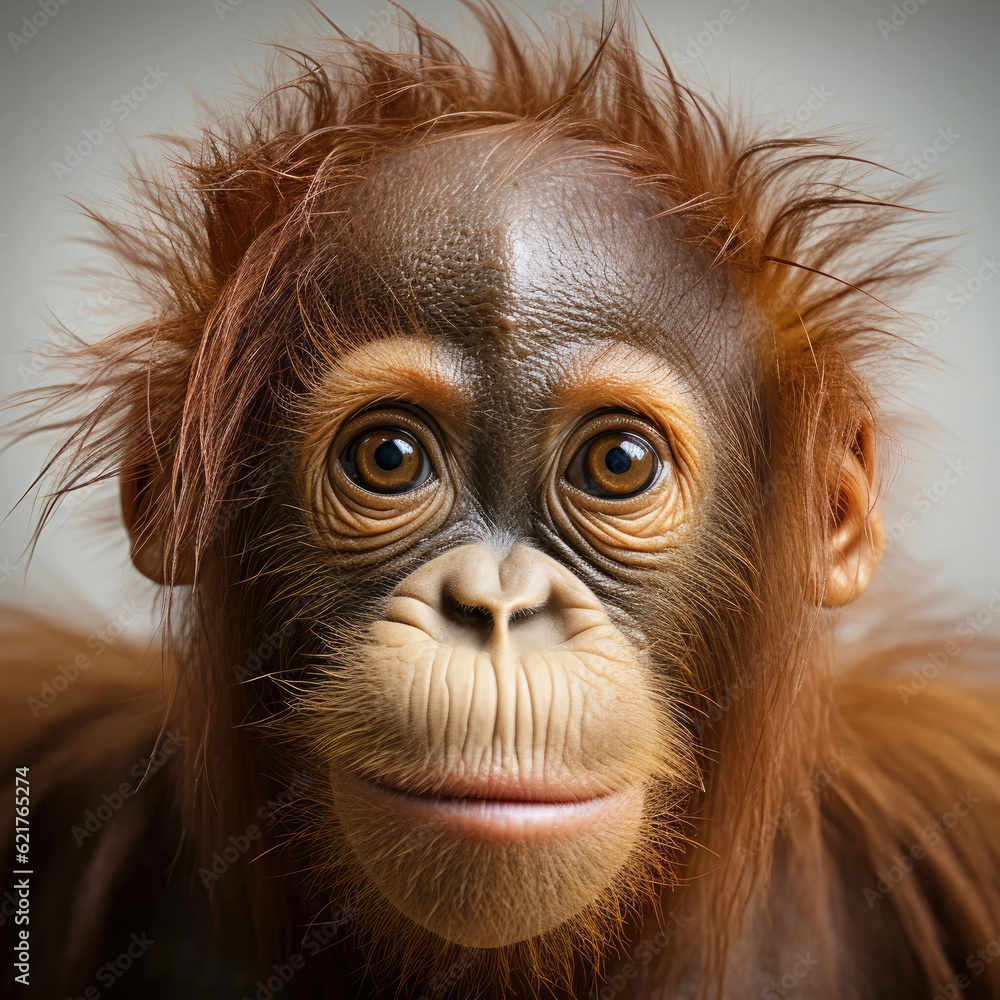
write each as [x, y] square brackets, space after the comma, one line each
[618, 461]
[389, 456]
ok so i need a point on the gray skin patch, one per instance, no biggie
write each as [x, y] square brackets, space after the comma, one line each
[515, 258]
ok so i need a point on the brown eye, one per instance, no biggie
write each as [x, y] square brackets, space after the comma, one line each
[386, 460]
[616, 465]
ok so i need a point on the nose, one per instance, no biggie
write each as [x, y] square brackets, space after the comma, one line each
[472, 596]
[484, 592]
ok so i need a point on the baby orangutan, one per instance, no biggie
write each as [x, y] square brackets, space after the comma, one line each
[500, 441]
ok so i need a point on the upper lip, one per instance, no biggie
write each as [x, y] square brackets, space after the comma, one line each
[498, 788]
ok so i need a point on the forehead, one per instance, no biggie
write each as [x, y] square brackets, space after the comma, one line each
[527, 249]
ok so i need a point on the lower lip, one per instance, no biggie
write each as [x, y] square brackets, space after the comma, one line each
[501, 820]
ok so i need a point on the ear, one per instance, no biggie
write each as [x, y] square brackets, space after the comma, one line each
[857, 539]
[141, 488]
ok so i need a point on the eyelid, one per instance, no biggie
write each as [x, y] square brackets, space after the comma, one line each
[387, 413]
[399, 371]
[609, 419]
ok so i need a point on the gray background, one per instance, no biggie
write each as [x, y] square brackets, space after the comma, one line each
[929, 74]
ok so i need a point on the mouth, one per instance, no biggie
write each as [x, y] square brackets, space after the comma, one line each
[521, 815]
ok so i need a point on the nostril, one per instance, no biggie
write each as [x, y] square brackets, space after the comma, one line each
[469, 614]
[477, 616]
[520, 614]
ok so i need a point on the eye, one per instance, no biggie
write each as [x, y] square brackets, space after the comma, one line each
[383, 479]
[614, 465]
[622, 485]
[386, 460]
